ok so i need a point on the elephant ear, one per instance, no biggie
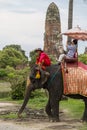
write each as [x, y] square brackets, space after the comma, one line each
[45, 80]
[44, 77]
[37, 74]
[41, 74]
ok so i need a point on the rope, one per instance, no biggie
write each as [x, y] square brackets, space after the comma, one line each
[53, 76]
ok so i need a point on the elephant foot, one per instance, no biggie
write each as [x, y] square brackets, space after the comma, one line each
[54, 120]
[83, 120]
[19, 115]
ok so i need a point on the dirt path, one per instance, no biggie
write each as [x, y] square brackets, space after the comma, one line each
[36, 120]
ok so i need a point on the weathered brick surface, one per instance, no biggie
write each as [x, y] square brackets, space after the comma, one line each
[52, 30]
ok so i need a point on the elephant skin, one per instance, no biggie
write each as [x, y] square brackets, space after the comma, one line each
[54, 86]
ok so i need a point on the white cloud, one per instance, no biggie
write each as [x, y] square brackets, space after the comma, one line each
[23, 21]
[24, 29]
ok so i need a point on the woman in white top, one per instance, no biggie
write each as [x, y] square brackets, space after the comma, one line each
[72, 48]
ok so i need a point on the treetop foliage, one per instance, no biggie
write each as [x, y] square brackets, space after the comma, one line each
[16, 47]
[83, 58]
[13, 56]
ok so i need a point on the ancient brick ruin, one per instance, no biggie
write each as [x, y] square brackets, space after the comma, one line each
[52, 41]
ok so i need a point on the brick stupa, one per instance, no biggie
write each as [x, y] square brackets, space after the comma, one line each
[53, 43]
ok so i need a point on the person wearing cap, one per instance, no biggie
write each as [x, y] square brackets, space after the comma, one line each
[72, 49]
[42, 59]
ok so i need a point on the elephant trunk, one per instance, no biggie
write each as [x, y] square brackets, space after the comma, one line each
[28, 91]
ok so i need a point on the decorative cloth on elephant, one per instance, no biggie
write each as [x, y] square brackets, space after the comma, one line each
[75, 81]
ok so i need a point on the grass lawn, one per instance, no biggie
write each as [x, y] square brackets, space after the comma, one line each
[74, 107]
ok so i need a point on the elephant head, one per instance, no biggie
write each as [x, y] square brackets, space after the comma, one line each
[33, 83]
[38, 81]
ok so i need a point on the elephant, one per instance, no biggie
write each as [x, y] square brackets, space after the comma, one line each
[54, 85]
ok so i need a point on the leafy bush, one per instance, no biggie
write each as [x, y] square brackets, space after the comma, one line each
[53, 59]
[2, 73]
[83, 58]
[32, 58]
[12, 57]
[18, 91]
[38, 93]
[17, 79]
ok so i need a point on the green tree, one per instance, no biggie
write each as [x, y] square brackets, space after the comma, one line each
[12, 57]
[17, 79]
[16, 47]
[3, 73]
[83, 58]
[32, 58]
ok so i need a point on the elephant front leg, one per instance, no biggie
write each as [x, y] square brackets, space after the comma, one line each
[48, 110]
[55, 110]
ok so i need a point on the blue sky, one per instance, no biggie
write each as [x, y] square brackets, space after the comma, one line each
[23, 21]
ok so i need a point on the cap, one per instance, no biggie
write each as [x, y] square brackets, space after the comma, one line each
[38, 49]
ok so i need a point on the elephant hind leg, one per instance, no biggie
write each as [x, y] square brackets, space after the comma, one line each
[84, 118]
